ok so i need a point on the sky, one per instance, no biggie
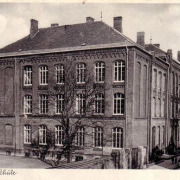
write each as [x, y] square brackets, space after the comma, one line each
[161, 22]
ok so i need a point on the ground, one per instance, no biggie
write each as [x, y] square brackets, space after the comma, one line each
[21, 162]
[166, 164]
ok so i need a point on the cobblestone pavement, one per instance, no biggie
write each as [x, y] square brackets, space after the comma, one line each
[166, 164]
[21, 162]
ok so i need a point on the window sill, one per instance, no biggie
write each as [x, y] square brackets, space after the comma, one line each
[59, 145]
[26, 143]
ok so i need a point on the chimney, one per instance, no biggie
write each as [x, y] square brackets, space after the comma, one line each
[169, 53]
[178, 56]
[55, 25]
[89, 19]
[118, 23]
[140, 38]
[157, 45]
[33, 28]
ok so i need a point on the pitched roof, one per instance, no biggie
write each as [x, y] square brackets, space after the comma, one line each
[159, 52]
[84, 34]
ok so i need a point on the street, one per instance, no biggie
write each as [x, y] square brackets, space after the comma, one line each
[21, 162]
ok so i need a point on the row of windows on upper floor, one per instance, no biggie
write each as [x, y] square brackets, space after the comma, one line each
[117, 136]
[99, 104]
[119, 73]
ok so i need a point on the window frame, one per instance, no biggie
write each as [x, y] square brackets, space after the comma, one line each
[44, 134]
[27, 134]
[80, 73]
[60, 73]
[80, 109]
[98, 134]
[80, 137]
[100, 68]
[99, 104]
[41, 105]
[120, 133]
[121, 99]
[27, 73]
[59, 104]
[119, 71]
[28, 104]
[43, 75]
[59, 135]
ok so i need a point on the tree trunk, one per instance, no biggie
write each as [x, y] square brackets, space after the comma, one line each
[69, 156]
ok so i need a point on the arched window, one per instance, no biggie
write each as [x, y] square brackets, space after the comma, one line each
[59, 135]
[155, 79]
[117, 137]
[80, 72]
[27, 75]
[42, 134]
[60, 76]
[79, 139]
[59, 103]
[43, 75]
[119, 104]
[99, 103]
[27, 104]
[27, 134]
[119, 71]
[43, 104]
[98, 137]
[80, 103]
[100, 71]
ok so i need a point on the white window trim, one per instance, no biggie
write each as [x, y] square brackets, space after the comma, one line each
[28, 72]
[117, 114]
[30, 131]
[59, 65]
[83, 69]
[57, 144]
[120, 139]
[25, 105]
[97, 75]
[43, 143]
[46, 75]
[121, 66]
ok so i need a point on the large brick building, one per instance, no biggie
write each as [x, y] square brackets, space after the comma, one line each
[141, 87]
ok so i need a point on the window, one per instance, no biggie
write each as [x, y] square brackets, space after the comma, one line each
[117, 134]
[100, 71]
[79, 139]
[80, 72]
[119, 71]
[59, 103]
[154, 79]
[27, 134]
[43, 104]
[98, 136]
[42, 134]
[43, 75]
[163, 133]
[159, 136]
[27, 104]
[99, 103]
[153, 137]
[60, 77]
[59, 135]
[81, 104]
[27, 75]
[119, 104]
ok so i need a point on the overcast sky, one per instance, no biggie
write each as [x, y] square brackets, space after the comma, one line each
[159, 21]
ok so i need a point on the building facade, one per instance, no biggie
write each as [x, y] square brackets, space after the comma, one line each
[138, 106]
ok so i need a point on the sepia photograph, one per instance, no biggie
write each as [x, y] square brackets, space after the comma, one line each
[89, 86]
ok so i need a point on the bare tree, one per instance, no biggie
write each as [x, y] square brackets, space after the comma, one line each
[77, 102]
